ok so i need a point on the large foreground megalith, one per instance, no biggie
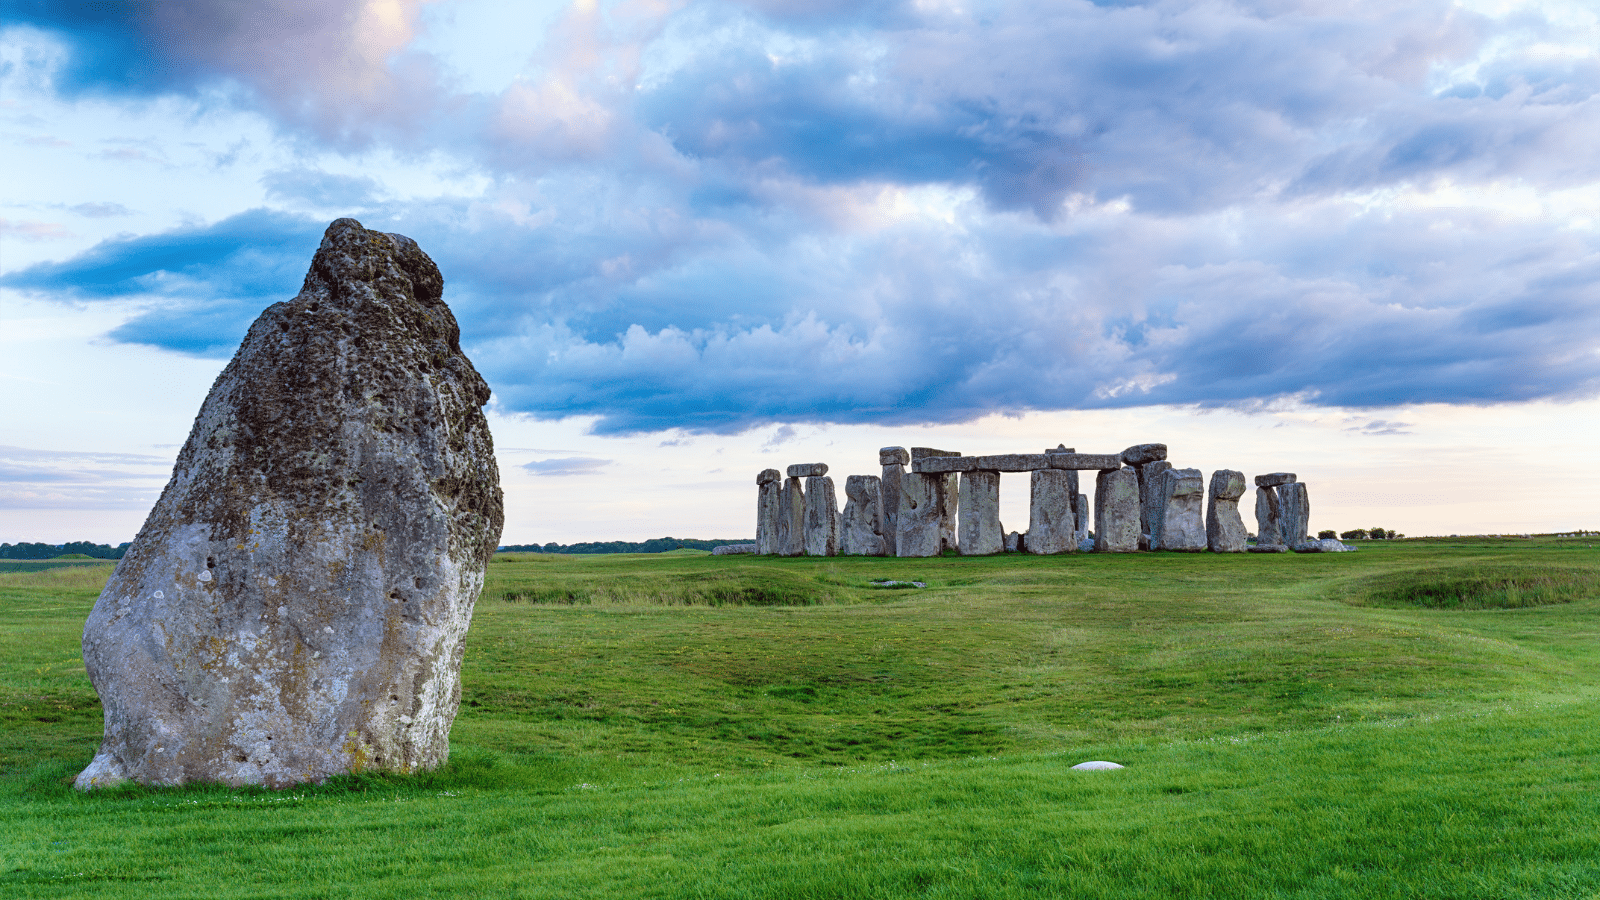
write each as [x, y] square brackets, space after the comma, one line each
[297, 602]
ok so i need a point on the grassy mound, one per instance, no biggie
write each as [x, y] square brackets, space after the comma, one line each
[1499, 585]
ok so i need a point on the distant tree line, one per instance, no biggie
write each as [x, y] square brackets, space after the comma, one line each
[25, 550]
[654, 545]
[1370, 534]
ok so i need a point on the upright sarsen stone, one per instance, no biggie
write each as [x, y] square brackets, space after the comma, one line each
[893, 460]
[792, 519]
[769, 499]
[1225, 531]
[1180, 526]
[1116, 511]
[822, 517]
[918, 522]
[1151, 504]
[861, 528]
[1268, 534]
[1052, 525]
[1294, 513]
[297, 602]
[979, 502]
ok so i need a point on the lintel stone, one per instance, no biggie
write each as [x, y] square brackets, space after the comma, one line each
[941, 465]
[923, 452]
[808, 470]
[768, 476]
[1274, 479]
[892, 456]
[1085, 461]
[1139, 454]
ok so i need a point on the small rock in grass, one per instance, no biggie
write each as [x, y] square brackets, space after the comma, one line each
[1096, 765]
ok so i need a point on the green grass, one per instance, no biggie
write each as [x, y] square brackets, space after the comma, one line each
[1417, 719]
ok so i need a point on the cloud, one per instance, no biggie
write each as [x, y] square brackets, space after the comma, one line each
[719, 217]
[50, 479]
[33, 230]
[100, 210]
[574, 465]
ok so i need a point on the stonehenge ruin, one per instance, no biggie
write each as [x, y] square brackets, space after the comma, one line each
[928, 501]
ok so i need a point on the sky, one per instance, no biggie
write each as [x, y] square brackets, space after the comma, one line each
[687, 241]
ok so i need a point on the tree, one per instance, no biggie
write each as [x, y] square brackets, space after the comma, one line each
[1327, 533]
[1354, 534]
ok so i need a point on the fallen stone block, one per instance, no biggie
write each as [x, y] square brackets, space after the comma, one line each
[733, 549]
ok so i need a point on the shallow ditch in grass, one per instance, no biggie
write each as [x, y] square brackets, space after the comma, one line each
[1501, 585]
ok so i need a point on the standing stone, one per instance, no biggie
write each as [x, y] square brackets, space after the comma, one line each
[1181, 526]
[1116, 511]
[1294, 513]
[1151, 503]
[1225, 531]
[1014, 542]
[822, 517]
[768, 504]
[297, 602]
[979, 499]
[792, 519]
[1051, 523]
[1268, 533]
[949, 497]
[893, 460]
[861, 529]
[917, 525]
[1081, 511]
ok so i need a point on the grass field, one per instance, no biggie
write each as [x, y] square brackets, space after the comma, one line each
[1418, 719]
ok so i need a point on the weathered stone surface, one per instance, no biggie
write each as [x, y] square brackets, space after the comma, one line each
[1116, 511]
[1140, 454]
[979, 503]
[1294, 512]
[297, 602]
[1014, 542]
[925, 452]
[1326, 545]
[792, 519]
[1225, 531]
[1010, 462]
[808, 470]
[889, 503]
[768, 476]
[1081, 511]
[1269, 537]
[861, 528]
[769, 513]
[949, 507]
[1227, 484]
[822, 517]
[1274, 479]
[733, 549]
[1084, 461]
[917, 524]
[893, 456]
[1151, 505]
[938, 465]
[1051, 524]
[1181, 526]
